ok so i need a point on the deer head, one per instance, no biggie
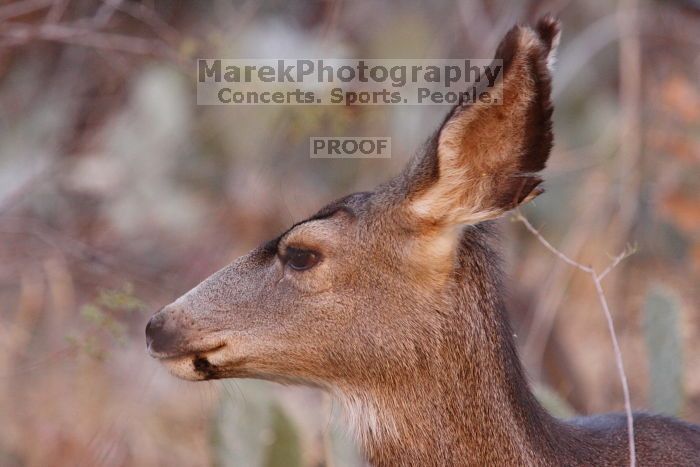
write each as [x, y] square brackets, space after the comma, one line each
[382, 288]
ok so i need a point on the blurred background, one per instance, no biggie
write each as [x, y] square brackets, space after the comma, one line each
[118, 194]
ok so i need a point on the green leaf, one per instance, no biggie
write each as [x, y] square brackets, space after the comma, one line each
[120, 299]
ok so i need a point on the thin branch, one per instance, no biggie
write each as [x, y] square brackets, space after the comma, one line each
[553, 292]
[21, 8]
[16, 34]
[629, 251]
[56, 12]
[148, 16]
[597, 279]
[20, 192]
[518, 216]
[620, 368]
[104, 13]
[630, 74]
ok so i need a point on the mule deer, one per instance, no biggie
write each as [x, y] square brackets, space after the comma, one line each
[391, 300]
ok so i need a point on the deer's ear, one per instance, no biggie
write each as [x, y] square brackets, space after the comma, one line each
[484, 159]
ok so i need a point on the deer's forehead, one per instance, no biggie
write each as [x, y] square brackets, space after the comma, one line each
[320, 231]
[337, 215]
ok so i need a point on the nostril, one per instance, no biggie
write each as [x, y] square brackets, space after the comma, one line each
[155, 324]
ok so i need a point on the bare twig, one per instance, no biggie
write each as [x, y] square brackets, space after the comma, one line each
[553, 291]
[611, 29]
[630, 71]
[12, 198]
[56, 12]
[630, 250]
[582, 49]
[83, 252]
[148, 16]
[16, 34]
[549, 246]
[597, 280]
[24, 7]
[104, 13]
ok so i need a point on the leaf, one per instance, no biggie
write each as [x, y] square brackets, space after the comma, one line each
[120, 299]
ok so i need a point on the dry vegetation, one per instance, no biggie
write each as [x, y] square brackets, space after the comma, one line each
[118, 193]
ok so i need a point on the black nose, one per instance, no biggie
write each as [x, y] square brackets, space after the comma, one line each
[154, 328]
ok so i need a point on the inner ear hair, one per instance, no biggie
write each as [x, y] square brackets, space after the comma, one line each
[484, 159]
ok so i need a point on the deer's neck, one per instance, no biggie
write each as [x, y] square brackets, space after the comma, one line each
[470, 403]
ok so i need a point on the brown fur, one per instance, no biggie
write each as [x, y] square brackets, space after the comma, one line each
[402, 319]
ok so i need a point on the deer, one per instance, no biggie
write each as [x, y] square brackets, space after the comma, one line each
[392, 301]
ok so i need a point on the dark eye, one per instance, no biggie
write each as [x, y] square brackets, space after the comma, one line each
[301, 260]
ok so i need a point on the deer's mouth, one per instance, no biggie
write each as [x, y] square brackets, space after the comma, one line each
[179, 354]
[191, 365]
[215, 363]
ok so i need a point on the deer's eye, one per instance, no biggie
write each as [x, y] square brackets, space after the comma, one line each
[301, 260]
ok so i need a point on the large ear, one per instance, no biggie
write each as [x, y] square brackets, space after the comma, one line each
[484, 159]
